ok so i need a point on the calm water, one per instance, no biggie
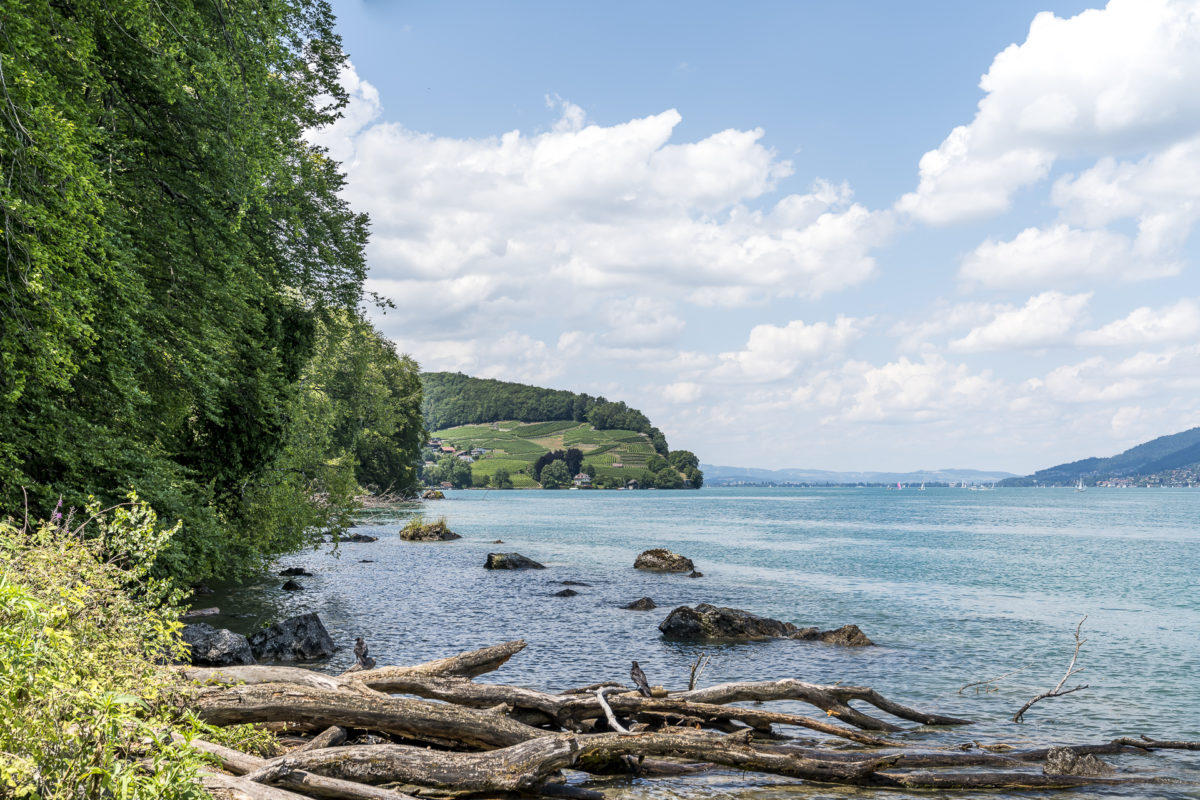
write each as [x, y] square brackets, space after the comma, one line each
[954, 587]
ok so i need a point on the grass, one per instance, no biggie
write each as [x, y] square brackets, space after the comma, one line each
[514, 446]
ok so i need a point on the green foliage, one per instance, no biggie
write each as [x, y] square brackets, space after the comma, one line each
[668, 478]
[451, 470]
[453, 399]
[175, 255]
[683, 460]
[656, 463]
[501, 479]
[82, 623]
[556, 475]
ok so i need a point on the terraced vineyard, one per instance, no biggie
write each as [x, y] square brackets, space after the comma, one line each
[617, 455]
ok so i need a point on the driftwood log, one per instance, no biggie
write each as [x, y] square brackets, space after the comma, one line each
[451, 735]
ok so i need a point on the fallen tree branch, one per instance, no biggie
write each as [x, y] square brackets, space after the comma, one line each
[831, 699]
[608, 712]
[1058, 691]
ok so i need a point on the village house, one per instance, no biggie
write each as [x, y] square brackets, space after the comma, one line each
[582, 480]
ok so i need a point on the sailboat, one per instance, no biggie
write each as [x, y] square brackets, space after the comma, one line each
[922, 487]
[1079, 486]
[899, 486]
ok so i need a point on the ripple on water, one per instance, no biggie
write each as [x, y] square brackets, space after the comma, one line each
[954, 589]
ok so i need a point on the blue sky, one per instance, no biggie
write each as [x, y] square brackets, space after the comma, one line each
[838, 235]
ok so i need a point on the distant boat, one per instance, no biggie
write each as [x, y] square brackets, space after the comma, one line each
[922, 487]
[1079, 486]
[899, 486]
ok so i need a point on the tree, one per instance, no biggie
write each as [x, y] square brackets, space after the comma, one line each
[555, 475]
[590, 470]
[695, 476]
[501, 479]
[668, 478]
[574, 459]
[683, 459]
[656, 463]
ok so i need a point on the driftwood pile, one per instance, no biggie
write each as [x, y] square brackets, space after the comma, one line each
[464, 737]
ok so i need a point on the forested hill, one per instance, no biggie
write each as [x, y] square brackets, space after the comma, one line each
[452, 399]
[1166, 454]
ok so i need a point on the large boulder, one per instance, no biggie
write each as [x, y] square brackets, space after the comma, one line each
[417, 531]
[511, 561]
[216, 647]
[641, 604]
[301, 638]
[714, 622]
[663, 560]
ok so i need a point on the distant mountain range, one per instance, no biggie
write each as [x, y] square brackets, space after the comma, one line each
[715, 475]
[1173, 459]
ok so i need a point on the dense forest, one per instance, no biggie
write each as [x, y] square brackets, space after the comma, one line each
[452, 399]
[182, 281]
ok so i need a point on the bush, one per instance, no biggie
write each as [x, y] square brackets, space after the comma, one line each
[83, 625]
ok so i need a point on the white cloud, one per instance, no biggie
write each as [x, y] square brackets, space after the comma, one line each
[1115, 79]
[682, 392]
[1173, 323]
[564, 221]
[1045, 319]
[1089, 381]
[904, 390]
[919, 334]
[1059, 255]
[774, 352]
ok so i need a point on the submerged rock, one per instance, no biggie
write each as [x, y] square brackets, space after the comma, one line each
[575, 583]
[360, 537]
[566, 593]
[663, 560]
[696, 574]
[417, 531]
[200, 612]
[641, 604]
[216, 647]
[295, 572]
[713, 622]
[292, 586]
[301, 638]
[1065, 761]
[511, 561]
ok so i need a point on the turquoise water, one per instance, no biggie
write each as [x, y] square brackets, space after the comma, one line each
[954, 587]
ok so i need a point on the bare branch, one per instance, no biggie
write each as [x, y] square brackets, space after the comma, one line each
[1058, 691]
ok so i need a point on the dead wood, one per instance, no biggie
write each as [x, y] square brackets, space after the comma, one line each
[414, 720]
[332, 736]
[831, 699]
[228, 787]
[525, 765]
[1058, 690]
[309, 783]
[463, 665]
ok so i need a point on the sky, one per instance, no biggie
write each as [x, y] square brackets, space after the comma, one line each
[847, 236]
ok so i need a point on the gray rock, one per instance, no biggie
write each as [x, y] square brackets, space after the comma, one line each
[575, 583]
[696, 574]
[360, 537]
[713, 622]
[295, 572]
[216, 647]
[662, 560]
[301, 638]
[201, 612]
[641, 604]
[511, 561]
[1065, 761]
[566, 593]
[291, 586]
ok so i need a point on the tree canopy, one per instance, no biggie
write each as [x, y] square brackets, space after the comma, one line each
[176, 254]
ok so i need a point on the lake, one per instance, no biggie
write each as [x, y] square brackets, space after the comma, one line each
[954, 586]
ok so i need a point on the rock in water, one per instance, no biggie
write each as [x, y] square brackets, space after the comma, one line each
[511, 561]
[291, 586]
[432, 532]
[295, 572]
[301, 638]
[641, 604]
[360, 537]
[432, 494]
[216, 647]
[200, 612]
[1065, 761]
[847, 636]
[712, 622]
[566, 593]
[662, 560]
